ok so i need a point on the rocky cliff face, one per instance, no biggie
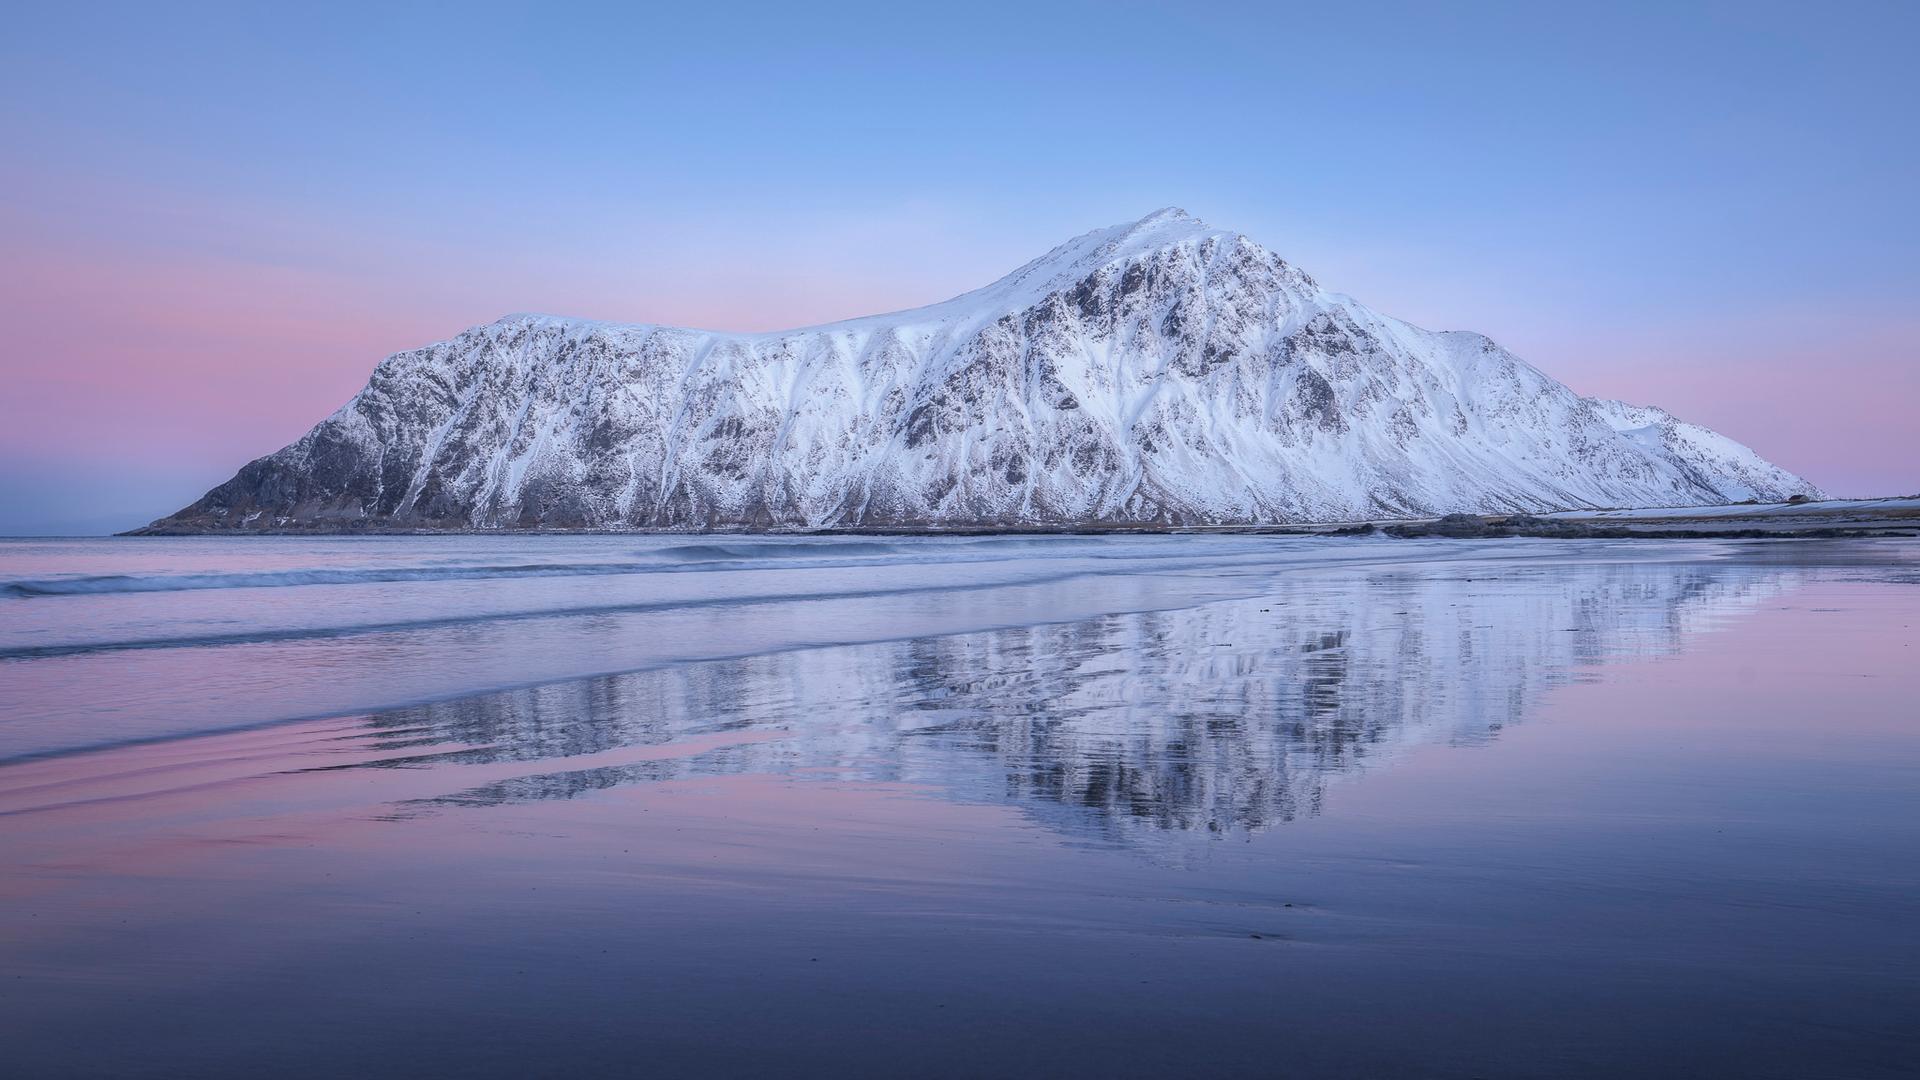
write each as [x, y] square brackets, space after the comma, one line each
[1162, 372]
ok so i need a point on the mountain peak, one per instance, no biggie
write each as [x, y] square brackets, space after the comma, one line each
[1166, 223]
[1163, 228]
[1166, 215]
[1079, 257]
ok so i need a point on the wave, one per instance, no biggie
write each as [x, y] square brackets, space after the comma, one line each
[305, 633]
[738, 556]
[1402, 555]
[741, 552]
[128, 583]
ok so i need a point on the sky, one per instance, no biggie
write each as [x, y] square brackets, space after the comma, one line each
[215, 220]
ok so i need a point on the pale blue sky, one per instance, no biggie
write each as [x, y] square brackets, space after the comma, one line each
[221, 218]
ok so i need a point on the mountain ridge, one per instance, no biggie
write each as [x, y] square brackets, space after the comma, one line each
[1159, 372]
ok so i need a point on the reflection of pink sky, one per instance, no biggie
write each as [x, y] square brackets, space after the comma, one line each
[200, 810]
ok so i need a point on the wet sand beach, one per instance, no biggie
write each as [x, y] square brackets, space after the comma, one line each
[1143, 805]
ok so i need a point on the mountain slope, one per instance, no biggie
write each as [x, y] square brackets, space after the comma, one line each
[1158, 372]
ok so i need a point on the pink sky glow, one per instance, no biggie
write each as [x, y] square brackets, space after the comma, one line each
[180, 365]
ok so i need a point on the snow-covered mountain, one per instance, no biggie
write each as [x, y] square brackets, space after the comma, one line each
[1158, 372]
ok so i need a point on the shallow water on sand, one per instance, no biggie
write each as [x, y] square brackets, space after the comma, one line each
[961, 806]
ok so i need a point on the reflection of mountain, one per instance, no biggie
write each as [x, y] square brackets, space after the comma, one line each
[1220, 718]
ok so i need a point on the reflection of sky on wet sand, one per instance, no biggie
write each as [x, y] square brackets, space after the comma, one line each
[1586, 819]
